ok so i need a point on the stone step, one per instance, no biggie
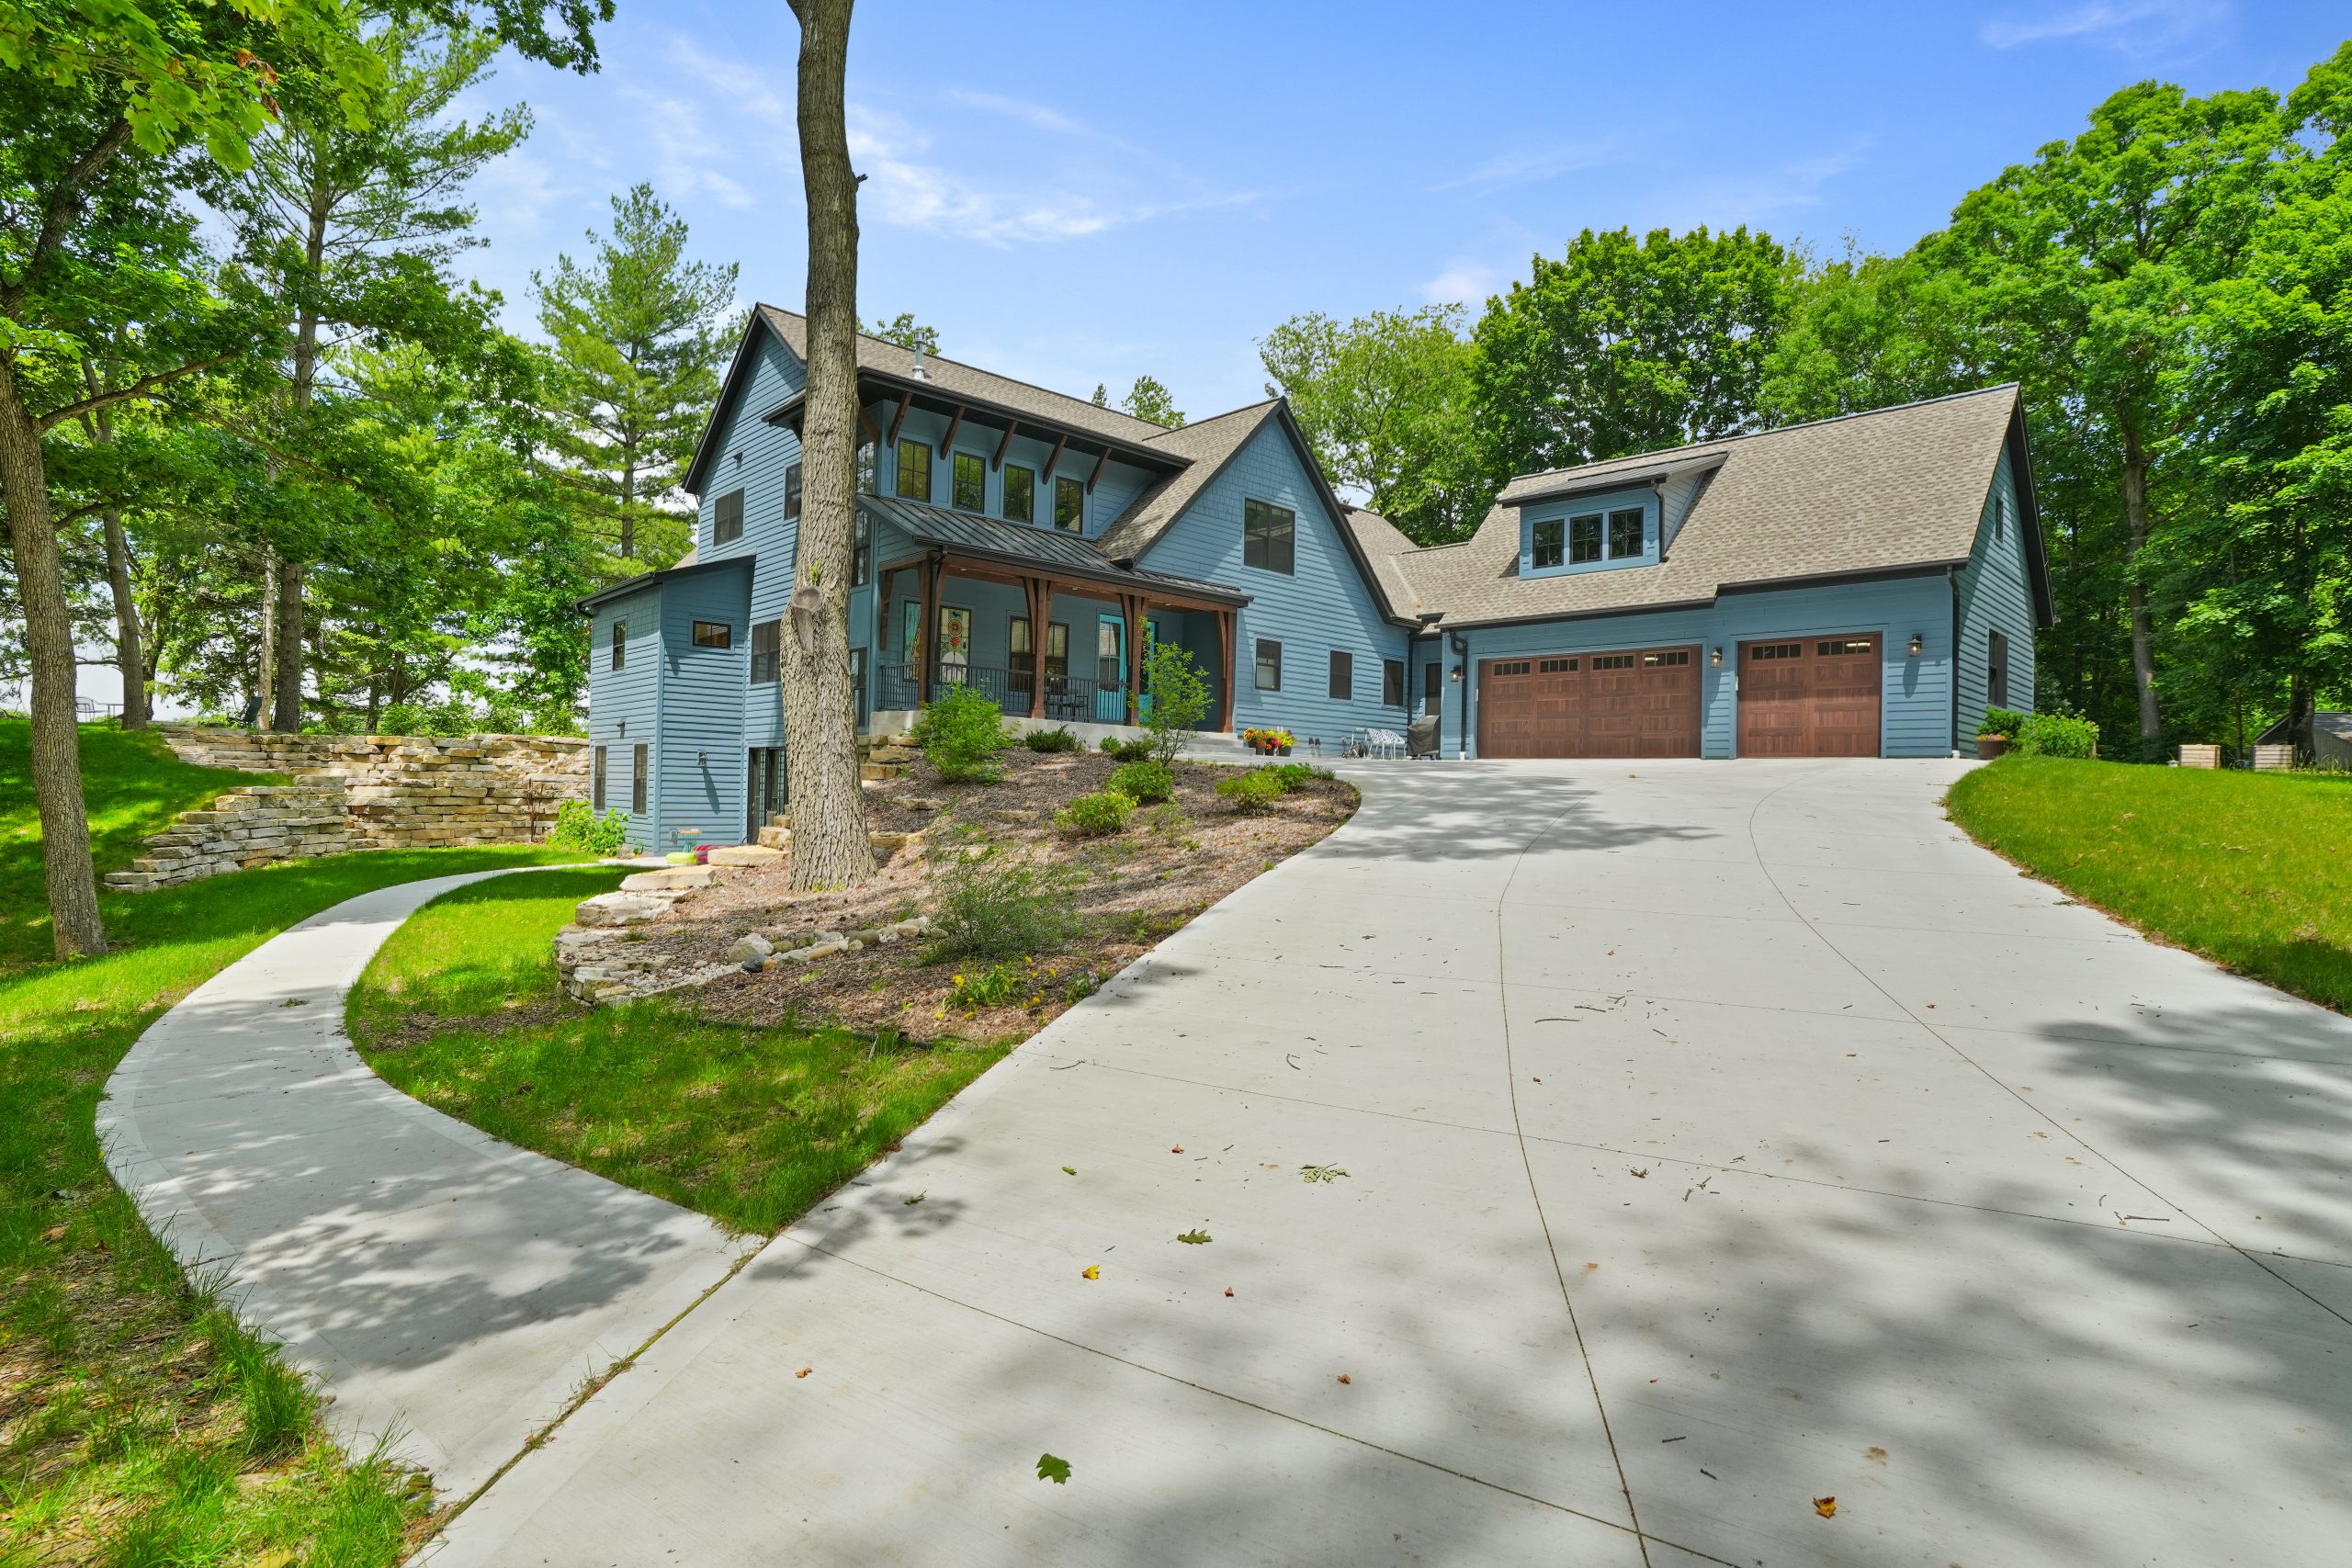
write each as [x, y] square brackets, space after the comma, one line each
[673, 878]
[745, 854]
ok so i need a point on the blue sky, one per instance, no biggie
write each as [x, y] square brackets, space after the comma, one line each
[1076, 194]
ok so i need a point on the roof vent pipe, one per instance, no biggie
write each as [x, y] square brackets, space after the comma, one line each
[919, 375]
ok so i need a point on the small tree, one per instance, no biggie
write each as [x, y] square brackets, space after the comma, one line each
[1180, 700]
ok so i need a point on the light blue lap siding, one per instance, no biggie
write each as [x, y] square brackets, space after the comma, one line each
[1915, 710]
[1324, 605]
[702, 767]
[1119, 484]
[1996, 595]
[625, 704]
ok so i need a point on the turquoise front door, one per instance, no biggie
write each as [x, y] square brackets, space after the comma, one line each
[1110, 670]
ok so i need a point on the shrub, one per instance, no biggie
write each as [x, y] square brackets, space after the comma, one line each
[1127, 751]
[1057, 739]
[577, 827]
[999, 902]
[2057, 735]
[1096, 816]
[992, 986]
[960, 733]
[1146, 783]
[1108, 746]
[1252, 789]
[1169, 821]
[1180, 700]
[1294, 776]
[2005, 722]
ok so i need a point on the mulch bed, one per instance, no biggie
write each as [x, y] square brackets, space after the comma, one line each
[1166, 866]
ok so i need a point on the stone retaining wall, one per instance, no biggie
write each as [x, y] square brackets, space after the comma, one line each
[358, 792]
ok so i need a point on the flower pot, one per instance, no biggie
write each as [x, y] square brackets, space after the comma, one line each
[1282, 750]
[1991, 746]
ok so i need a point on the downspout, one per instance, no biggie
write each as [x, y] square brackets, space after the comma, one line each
[1952, 576]
[1461, 646]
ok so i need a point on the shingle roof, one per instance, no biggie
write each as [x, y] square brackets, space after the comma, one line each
[954, 378]
[1382, 543]
[1870, 492]
[973, 534]
[1205, 445]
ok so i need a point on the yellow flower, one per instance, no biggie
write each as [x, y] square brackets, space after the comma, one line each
[1094, 1271]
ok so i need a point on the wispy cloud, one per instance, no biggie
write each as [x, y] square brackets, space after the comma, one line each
[745, 90]
[1464, 283]
[1754, 197]
[688, 159]
[1531, 165]
[2128, 26]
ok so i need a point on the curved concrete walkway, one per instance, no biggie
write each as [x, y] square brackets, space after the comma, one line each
[451, 1290]
[1717, 1137]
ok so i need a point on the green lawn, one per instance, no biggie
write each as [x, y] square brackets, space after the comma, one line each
[2252, 869]
[752, 1126]
[131, 786]
[138, 1423]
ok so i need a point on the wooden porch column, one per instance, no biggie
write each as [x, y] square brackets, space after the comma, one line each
[1039, 592]
[1131, 606]
[927, 640]
[1225, 657]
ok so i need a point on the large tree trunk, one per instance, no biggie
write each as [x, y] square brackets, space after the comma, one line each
[288, 715]
[2300, 707]
[265, 675]
[130, 654]
[829, 845]
[2143, 631]
[74, 926]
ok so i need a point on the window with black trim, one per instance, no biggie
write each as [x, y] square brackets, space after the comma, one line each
[1269, 537]
[2000, 524]
[1625, 532]
[1996, 670]
[792, 491]
[1433, 686]
[1511, 667]
[1667, 657]
[1551, 543]
[1392, 682]
[1069, 505]
[1584, 539]
[970, 486]
[914, 471]
[640, 766]
[1269, 665]
[620, 645]
[1757, 652]
[857, 687]
[1020, 493]
[714, 634]
[1057, 652]
[1843, 646]
[727, 518]
[1612, 662]
[767, 652]
[865, 480]
[861, 550]
[596, 790]
[1018, 641]
[1343, 676]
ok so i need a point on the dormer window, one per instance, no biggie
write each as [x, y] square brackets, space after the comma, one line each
[971, 486]
[1625, 532]
[914, 471]
[1614, 531]
[1069, 505]
[1584, 539]
[1549, 543]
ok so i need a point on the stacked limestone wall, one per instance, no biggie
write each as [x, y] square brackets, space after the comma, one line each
[358, 792]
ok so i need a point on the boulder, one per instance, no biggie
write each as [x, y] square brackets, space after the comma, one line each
[669, 879]
[620, 910]
[750, 949]
[745, 854]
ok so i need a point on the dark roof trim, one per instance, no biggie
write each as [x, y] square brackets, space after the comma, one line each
[1630, 478]
[655, 580]
[2037, 565]
[696, 470]
[1601, 614]
[1838, 578]
[1110, 575]
[1080, 439]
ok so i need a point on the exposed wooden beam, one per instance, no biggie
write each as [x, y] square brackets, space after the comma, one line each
[866, 423]
[1099, 464]
[900, 419]
[1004, 445]
[1047, 475]
[947, 442]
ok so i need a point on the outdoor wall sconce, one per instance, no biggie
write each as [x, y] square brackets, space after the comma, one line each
[1916, 644]
[1457, 674]
[702, 759]
[1715, 657]
[624, 726]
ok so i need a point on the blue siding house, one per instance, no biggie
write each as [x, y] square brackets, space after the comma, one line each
[1864, 586]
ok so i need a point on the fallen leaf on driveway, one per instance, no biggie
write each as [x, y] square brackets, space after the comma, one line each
[1092, 1271]
[1228, 1289]
[1177, 1150]
[1312, 1173]
[1069, 1171]
[1194, 1238]
[1825, 1506]
[1054, 1470]
[1643, 1173]
[917, 1197]
[804, 1371]
[1343, 1377]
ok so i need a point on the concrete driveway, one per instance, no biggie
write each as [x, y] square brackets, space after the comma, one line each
[1716, 1137]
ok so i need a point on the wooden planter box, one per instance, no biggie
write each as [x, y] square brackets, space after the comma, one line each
[2201, 756]
[2274, 758]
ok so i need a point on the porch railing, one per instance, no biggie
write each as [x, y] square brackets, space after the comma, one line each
[1069, 699]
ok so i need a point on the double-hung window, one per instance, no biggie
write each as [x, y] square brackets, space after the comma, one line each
[1584, 538]
[1269, 665]
[767, 652]
[727, 518]
[1625, 532]
[969, 488]
[1343, 676]
[639, 765]
[620, 645]
[1069, 505]
[792, 493]
[1551, 538]
[1433, 686]
[1020, 493]
[1269, 537]
[914, 471]
[1392, 682]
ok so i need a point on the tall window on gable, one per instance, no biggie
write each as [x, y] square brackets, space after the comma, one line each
[1020, 493]
[1997, 670]
[767, 652]
[861, 550]
[2000, 525]
[1392, 682]
[1551, 543]
[727, 518]
[1269, 537]
[597, 793]
[914, 471]
[792, 491]
[1584, 539]
[1625, 532]
[970, 488]
[1069, 505]
[1343, 676]
[1269, 665]
[620, 645]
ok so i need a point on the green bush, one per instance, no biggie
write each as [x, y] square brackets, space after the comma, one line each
[1295, 775]
[577, 827]
[960, 733]
[1180, 700]
[1108, 746]
[995, 901]
[1096, 816]
[1252, 790]
[1057, 739]
[2057, 735]
[2002, 721]
[1147, 782]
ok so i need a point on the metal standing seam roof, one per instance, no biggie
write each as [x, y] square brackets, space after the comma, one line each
[1049, 547]
[1883, 491]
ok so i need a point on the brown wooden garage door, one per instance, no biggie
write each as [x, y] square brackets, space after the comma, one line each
[1641, 703]
[1809, 697]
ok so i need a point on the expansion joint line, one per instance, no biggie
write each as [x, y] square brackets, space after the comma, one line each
[1527, 1162]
